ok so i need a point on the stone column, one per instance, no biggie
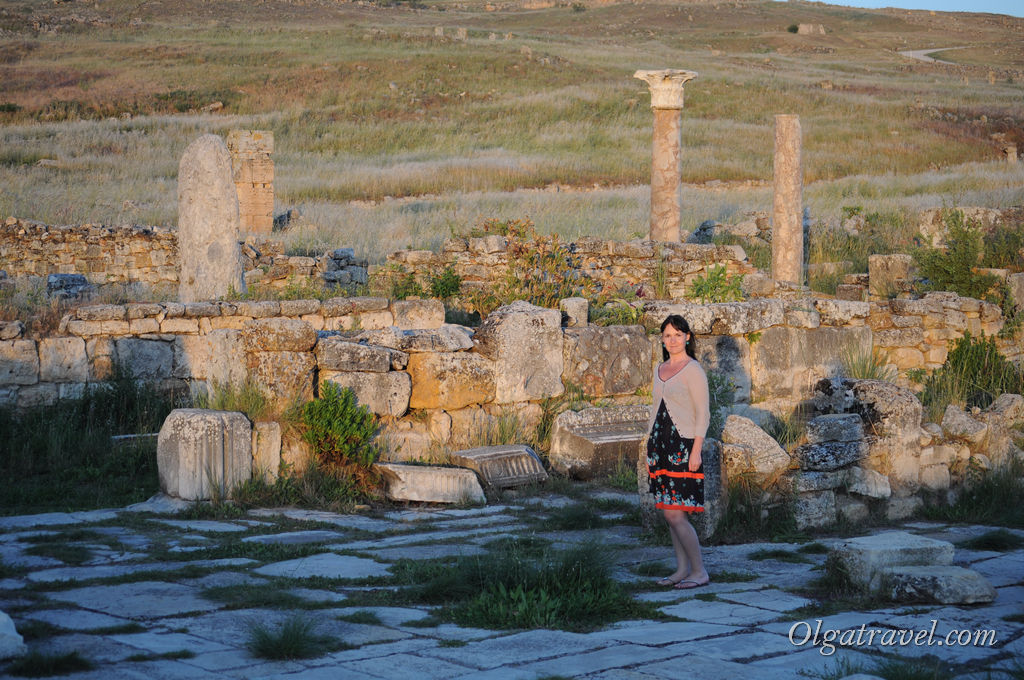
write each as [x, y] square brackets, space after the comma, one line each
[1010, 152]
[787, 214]
[667, 101]
[209, 254]
[253, 173]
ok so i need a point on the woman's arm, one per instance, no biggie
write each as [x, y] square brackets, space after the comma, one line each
[700, 400]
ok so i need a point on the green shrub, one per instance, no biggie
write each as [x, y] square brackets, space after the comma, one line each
[716, 286]
[992, 498]
[792, 28]
[405, 286]
[865, 363]
[446, 285]
[340, 433]
[975, 373]
[952, 268]
[1004, 247]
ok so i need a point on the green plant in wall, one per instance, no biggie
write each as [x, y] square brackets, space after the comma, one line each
[716, 286]
[865, 363]
[445, 285]
[953, 268]
[340, 433]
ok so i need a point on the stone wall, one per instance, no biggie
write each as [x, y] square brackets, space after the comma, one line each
[483, 262]
[253, 174]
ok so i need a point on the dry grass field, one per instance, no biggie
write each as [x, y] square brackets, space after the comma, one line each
[389, 135]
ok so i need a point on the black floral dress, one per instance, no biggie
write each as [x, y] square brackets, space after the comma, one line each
[673, 485]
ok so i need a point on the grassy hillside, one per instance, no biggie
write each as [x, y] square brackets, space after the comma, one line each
[369, 104]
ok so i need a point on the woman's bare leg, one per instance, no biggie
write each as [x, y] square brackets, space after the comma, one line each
[682, 563]
[687, 546]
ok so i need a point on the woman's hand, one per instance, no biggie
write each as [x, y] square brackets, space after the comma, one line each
[693, 464]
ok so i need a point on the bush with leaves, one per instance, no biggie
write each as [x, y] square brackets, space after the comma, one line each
[716, 286]
[445, 285]
[953, 268]
[340, 433]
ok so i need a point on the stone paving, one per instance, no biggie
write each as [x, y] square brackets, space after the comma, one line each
[135, 592]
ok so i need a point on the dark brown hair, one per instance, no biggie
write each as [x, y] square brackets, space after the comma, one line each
[679, 323]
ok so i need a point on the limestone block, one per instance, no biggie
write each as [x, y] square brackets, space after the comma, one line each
[469, 424]
[835, 427]
[748, 448]
[141, 310]
[417, 314]
[935, 477]
[830, 455]
[11, 330]
[382, 393]
[40, 394]
[143, 326]
[902, 507]
[889, 274]
[959, 426]
[342, 306]
[525, 344]
[258, 309]
[904, 358]
[451, 380]
[715, 489]
[728, 355]
[11, 643]
[607, 360]
[700, 317]
[406, 441]
[865, 557]
[217, 357]
[932, 584]
[19, 362]
[1007, 409]
[430, 484]
[295, 452]
[299, 307]
[575, 311]
[938, 455]
[266, 449]
[334, 353]
[181, 326]
[102, 353]
[840, 312]
[503, 466]
[283, 375]
[899, 337]
[101, 313]
[145, 359]
[849, 292]
[889, 410]
[279, 335]
[1016, 284]
[866, 482]
[203, 454]
[804, 481]
[90, 328]
[815, 510]
[594, 441]
[852, 511]
[447, 338]
[801, 316]
[63, 360]
[785, 362]
[738, 318]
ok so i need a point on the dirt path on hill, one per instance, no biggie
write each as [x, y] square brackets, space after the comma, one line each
[922, 55]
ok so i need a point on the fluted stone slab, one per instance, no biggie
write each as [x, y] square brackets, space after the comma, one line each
[203, 452]
[430, 484]
[503, 466]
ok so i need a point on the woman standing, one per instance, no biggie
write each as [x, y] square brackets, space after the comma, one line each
[679, 421]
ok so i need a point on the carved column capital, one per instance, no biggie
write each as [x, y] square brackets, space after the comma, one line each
[666, 86]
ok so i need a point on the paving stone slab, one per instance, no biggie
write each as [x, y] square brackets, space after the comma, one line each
[773, 600]
[361, 522]
[843, 621]
[711, 668]
[1006, 570]
[220, 579]
[104, 571]
[320, 673]
[671, 595]
[428, 536]
[96, 648]
[203, 525]
[621, 674]
[295, 537]
[406, 646]
[75, 619]
[481, 521]
[358, 633]
[14, 556]
[313, 595]
[809, 661]
[502, 673]
[161, 643]
[328, 565]
[449, 631]
[518, 648]
[658, 634]
[617, 656]
[161, 504]
[226, 660]
[737, 646]
[407, 665]
[427, 552]
[389, 616]
[720, 612]
[143, 600]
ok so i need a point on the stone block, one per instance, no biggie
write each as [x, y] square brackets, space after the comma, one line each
[19, 362]
[283, 376]
[747, 448]
[63, 360]
[417, 314]
[815, 510]
[203, 454]
[525, 344]
[503, 466]
[11, 330]
[738, 318]
[12, 644]
[217, 357]
[451, 380]
[852, 511]
[145, 359]
[594, 441]
[730, 356]
[68, 287]
[830, 455]
[575, 311]
[335, 353]
[1016, 285]
[869, 483]
[447, 338]
[258, 309]
[804, 481]
[959, 426]
[279, 335]
[700, 317]
[430, 484]
[899, 337]
[89, 328]
[934, 477]
[840, 312]
[40, 394]
[889, 274]
[865, 557]
[179, 326]
[143, 326]
[835, 427]
[936, 584]
[607, 360]
[386, 394]
[849, 292]
[889, 410]
[299, 307]
[101, 313]
[266, 449]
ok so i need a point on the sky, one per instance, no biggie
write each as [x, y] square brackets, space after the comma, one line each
[1011, 7]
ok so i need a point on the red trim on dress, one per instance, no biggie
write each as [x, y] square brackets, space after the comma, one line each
[668, 473]
[684, 508]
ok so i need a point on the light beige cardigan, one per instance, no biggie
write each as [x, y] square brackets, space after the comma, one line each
[686, 396]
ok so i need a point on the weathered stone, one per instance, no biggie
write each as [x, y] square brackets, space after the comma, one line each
[63, 360]
[11, 643]
[738, 318]
[208, 226]
[503, 466]
[279, 335]
[835, 427]
[575, 311]
[804, 481]
[525, 344]
[11, 330]
[335, 353]
[447, 338]
[145, 359]
[179, 326]
[1016, 285]
[936, 584]
[888, 410]
[283, 376]
[934, 477]
[729, 356]
[41, 394]
[452, 380]
[68, 287]
[830, 455]
[852, 511]
[815, 510]
[266, 449]
[89, 328]
[864, 558]
[899, 337]
[787, 210]
[430, 484]
[101, 313]
[418, 314]
[785, 361]
[700, 317]
[850, 292]
[1007, 408]
[747, 448]
[203, 454]
[102, 353]
[607, 360]
[299, 307]
[217, 357]
[870, 483]
[889, 274]
[383, 393]
[595, 441]
[840, 312]
[258, 309]
[716, 498]
[958, 425]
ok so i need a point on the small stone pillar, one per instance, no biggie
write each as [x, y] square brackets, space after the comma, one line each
[209, 255]
[1010, 151]
[667, 101]
[787, 223]
[253, 173]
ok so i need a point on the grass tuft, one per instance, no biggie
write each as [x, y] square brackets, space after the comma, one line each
[38, 665]
[997, 540]
[296, 639]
